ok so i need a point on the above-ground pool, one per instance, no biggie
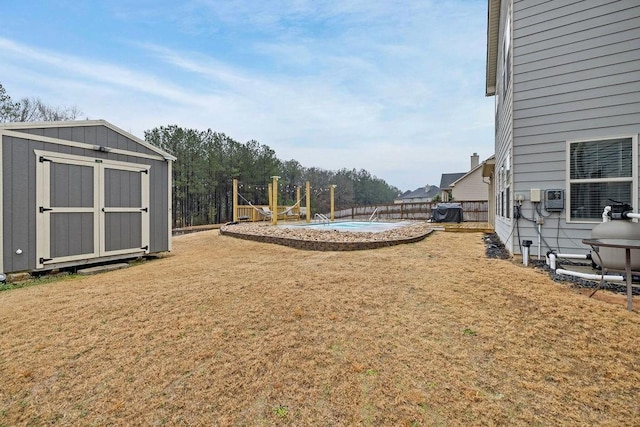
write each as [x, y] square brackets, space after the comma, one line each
[352, 226]
[332, 236]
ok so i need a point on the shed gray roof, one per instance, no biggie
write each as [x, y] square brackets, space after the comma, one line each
[449, 178]
[422, 192]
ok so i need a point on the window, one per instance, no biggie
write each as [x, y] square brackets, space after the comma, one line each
[504, 187]
[599, 172]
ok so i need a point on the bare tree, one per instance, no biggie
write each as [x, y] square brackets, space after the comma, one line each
[35, 110]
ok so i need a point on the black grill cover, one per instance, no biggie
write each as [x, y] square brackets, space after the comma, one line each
[447, 212]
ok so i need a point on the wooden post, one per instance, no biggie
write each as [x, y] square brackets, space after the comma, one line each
[331, 191]
[308, 200]
[270, 190]
[235, 200]
[274, 210]
[297, 209]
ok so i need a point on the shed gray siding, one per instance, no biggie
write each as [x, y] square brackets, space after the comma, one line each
[576, 75]
[19, 204]
[101, 135]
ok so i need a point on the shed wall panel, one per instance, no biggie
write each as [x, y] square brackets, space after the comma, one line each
[94, 135]
[64, 133]
[18, 211]
[51, 132]
[159, 205]
[71, 234]
[124, 231]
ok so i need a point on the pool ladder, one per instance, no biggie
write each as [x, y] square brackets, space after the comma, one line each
[321, 218]
[373, 216]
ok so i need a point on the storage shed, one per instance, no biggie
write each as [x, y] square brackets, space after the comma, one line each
[80, 192]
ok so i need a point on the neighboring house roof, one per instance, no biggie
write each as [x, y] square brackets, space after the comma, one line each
[428, 191]
[481, 165]
[493, 26]
[448, 179]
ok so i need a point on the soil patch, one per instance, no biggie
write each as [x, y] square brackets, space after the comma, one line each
[226, 331]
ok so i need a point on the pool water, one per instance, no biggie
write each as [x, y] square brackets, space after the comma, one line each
[353, 226]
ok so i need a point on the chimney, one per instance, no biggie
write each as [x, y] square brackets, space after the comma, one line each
[475, 161]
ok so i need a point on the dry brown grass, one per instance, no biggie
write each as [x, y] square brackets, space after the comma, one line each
[232, 332]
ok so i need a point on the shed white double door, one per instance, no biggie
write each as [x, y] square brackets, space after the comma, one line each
[89, 208]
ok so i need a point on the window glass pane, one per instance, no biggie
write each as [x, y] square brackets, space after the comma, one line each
[589, 199]
[601, 159]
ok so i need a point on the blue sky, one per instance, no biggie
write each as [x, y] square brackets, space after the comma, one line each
[393, 87]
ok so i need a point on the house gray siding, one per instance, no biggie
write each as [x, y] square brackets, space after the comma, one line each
[19, 204]
[503, 139]
[576, 75]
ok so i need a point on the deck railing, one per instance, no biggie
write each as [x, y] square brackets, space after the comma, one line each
[472, 211]
[262, 213]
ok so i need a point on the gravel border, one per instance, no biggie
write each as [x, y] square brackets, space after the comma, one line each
[326, 240]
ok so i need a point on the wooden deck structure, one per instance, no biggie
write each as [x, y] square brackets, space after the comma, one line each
[464, 227]
[258, 213]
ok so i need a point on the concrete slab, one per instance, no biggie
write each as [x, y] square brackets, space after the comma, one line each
[102, 268]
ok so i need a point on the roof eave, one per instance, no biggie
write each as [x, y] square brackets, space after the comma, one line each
[493, 27]
[488, 166]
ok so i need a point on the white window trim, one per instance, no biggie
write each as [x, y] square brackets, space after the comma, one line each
[633, 179]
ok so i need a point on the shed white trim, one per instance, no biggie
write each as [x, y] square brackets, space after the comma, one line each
[76, 123]
[22, 135]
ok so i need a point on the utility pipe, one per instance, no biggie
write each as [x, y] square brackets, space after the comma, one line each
[552, 257]
[526, 246]
[608, 277]
[539, 238]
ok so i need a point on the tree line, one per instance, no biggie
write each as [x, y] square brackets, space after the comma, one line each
[208, 161]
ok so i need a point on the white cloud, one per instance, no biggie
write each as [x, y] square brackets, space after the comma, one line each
[396, 89]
